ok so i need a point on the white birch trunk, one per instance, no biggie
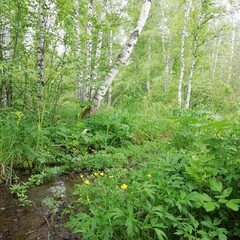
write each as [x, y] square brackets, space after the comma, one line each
[110, 64]
[99, 47]
[148, 68]
[163, 51]
[167, 65]
[6, 40]
[40, 50]
[89, 51]
[194, 61]
[78, 51]
[232, 47]
[216, 57]
[123, 57]
[182, 55]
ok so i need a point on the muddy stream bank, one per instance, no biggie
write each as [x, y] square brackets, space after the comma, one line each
[36, 222]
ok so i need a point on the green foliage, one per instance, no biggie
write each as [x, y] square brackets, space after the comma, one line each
[21, 189]
[158, 194]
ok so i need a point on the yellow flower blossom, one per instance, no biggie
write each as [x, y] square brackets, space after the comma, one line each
[111, 177]
[95, 174]
[101, 174]
[86, 182]
[149, 175]
[124, 186]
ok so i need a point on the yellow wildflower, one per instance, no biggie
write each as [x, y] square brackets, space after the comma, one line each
[149, 175]
[96, 174]
[86, 182]
[101, 174]
[111, 177]
[124, 186]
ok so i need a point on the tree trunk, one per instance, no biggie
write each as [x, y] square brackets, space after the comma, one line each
[78, 52]
[99, 47]
[182, 57]
[40, 50]
[89, 51]
[122, 57]
[148, 68]
[110, 64]
[232, 47]
[6, 88]
[194, 61]
[167, 65]
[215, 59]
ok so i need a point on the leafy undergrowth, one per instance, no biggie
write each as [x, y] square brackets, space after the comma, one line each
[185, 186]
[171, 177]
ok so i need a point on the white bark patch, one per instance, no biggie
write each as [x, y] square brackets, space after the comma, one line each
[89, 49]
[182, 56]
[40, 56]
[99, 46]
[123, 57]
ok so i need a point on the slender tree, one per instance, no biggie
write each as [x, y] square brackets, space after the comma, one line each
[182, 55]
[110, 64]
[89, 51]
[122, 57]
[99, 46]
[232, 47]
[78, 51]
[40, 49]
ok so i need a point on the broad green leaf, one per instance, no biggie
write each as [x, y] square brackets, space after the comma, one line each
[226, 193]
[209, 206]
[215, 185]
[223, 200]
[232, 205]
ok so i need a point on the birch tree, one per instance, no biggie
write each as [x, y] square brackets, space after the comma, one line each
[78, 51]
[110, 64]
[6, 40]
[40, 49]
[232, 47]
[99, 45]
[149, 67]
[122, 57]
[216, 56]
[196, 44]
[89, 51]
[182, 55]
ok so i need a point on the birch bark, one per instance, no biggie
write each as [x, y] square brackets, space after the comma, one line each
[6, 40]
[216, 57]
[78, 52]
[163, 43]
[182, 55]
[99, 47]
[110, 64]
[40, 50]
[89, 51]
[232, 48]
[122, 57]
[194, 61]
[148, 68]
[167, 65]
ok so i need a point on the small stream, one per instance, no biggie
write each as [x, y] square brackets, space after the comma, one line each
[32, 222]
